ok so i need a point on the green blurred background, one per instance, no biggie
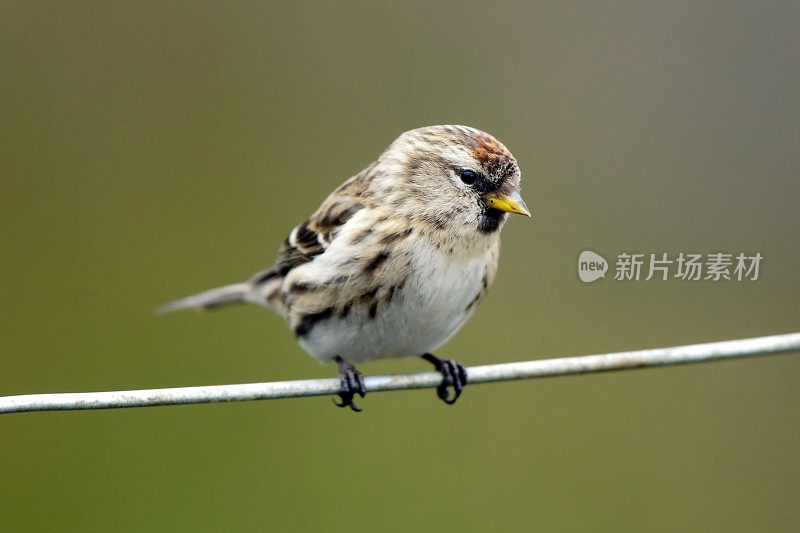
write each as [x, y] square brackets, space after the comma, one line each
[150, 150]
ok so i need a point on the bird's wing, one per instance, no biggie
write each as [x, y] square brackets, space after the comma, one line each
[311, 238]
[306, 241]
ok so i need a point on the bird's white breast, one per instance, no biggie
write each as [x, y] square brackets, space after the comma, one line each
[438, 296]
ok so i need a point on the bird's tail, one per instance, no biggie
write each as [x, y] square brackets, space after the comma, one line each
[229, 294]
[263, 289]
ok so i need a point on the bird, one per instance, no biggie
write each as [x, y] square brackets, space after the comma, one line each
[395, 260]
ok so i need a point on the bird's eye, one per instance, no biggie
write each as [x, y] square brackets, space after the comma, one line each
[468, 176]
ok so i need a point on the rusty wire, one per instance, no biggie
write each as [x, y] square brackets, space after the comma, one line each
[695, 353]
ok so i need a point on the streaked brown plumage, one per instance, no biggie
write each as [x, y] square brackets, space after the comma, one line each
[396, 259]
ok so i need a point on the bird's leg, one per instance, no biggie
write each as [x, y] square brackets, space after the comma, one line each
[453, 375]
[352, 383]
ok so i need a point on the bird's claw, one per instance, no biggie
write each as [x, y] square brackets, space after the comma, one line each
[352, 383]
[453, 375]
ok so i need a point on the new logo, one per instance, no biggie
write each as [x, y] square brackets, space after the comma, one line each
[591, 266]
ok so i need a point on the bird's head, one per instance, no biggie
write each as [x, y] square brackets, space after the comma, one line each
[453, 178]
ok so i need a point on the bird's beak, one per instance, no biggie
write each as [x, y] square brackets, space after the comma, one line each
[510, 203]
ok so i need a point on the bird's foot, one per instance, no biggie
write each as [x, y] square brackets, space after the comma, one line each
[453, 375]
[352, 383]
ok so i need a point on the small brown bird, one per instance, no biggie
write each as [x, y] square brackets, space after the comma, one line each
[396, 259]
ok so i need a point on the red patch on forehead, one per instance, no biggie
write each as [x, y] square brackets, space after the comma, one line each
[492, 155]
[490, 152]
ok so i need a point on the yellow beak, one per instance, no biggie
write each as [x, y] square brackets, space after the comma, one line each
[510, 203]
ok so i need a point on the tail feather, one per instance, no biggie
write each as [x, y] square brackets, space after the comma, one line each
[229, 294]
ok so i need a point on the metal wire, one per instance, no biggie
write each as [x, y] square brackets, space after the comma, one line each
[696, 353]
